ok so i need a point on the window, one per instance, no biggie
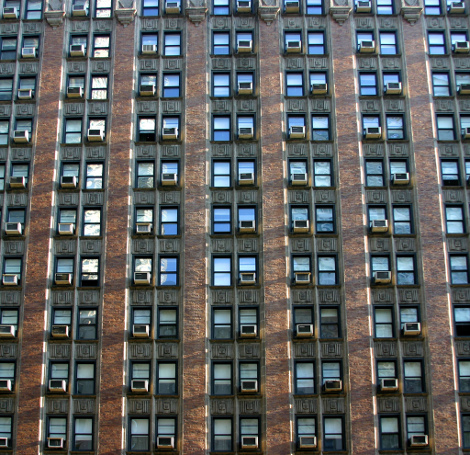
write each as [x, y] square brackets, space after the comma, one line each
[26, 83]
[57, 427]
[294, 84]
[8, 48]
[465, 125]
[379, 263]
[91, 222]
[461, 79]
[324, 219]
[87, 324]
[298, 214]
[12, 266]
[101, 45]
[395, 127]
[2, 177]
[97, 124]
[168, 220]
[166, 427]
[247, 265]
[301, 265]
[143, 215]
[221, 128]
[248, 317]
[244, 42]
[85, 379]
[64, 265]
[221, 379]
[148, 80]
[386, 369]
[31, 42]
[388, 43]
[166, 378]
[221, 323]
[384, 6]
[413, 380]
[445, 128]
[322, 173]
[246, 127]
[370, 121]
[140, 371]
[327, 270]
[221, 84]
[450, 172]
[170, 170]
[302, 315]
[333, 434]
[90, 271]
[73, 131]
[171, 85]
[304, 377]
[456, 37]
[246, 172]
[398, 167]
[9, 317]
[139, 435]
[462, 321]
[314, 6]
[62, 317]
[436, 43]
[20, 170]
[167, 322]
[149, 8]
[33, 9]
[367, 84]
[79, 40]
[147, 129]
[168, 271]
[99, 87]
[94, 176]
[415, 426]
[4, 132]
[172, 44]
[389, 433]
[454, 219]
[222, 435]
[249, 427]
[103, 8]
[317, 78]
[364, 36]
[408, 314]
[405, 270]
[141, 316]
[305, 429]
[329, 323]
[402, 220]
[374, 173]
[293, 41]
[432, 7]
[221, 7]
[222, 220]
[221, 174]
[458, 269]
[83, 434]
[6, 428]
[440, 84]
[246, 214]
[330, 371]
[24, 125]
[320, 128]
[145, 175]
[248, 370]
[383, 322]
[222, 271]
[143, 264]
[6, 89]
[316, 43]
[221, 43]
[246, 79]
[7, 372]
[17, 216]
[464, 375]
[293, 122]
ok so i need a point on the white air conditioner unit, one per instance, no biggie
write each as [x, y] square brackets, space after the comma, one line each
[13, 229]
[63, 279]
[25, 94]
[373, 132]
[302, 277]
[367, 46]
[249, 442]
[363, 7]
[170, 133]
[17, 182]
[172, 7]
[147, 90]
[300, 226]
[143, 228]
[319, 89]
[292, 6]
[149, 48]
[411, 329]
[401, 178]
[299, 179]
[247, 278]
[245, 88]
[388, 385]
[60, 331]
[461, 47]
[419, 440]
[74, 92]
[304, 330]
[57, 385]
[464, 89]
[140, 385]
[79, 10]
[456, 8]
[5, 385]
[28, 52]
[3, 442]
[141, 330]
[77, 50]
[245, 133]
[55, 443]
[20, 136]
[10, 279]
[247, 178]
[142, 278]
[7, 331]
[333, 385]
[379, 226]
[246, 226]
[466, 133]
[393, 88]
[243, 6]
[297, 132]
[68, 181]
[66, 228]
[10, 13]
[382, 277]
[245, 45]
[293, 46]
[307, 442]
[165, 442]
[248, 385]
[95, 135]
[248, 330]
[170, 179]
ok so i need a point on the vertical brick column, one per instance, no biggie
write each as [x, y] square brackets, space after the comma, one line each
[114, 301]
[355, 284]
[274, 246]
[194, 265]
[37, 265]
[437, 321]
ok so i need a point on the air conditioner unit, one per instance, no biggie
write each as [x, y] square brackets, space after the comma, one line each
[3, 442]
[379, 226]
[293, 46]
[297, 132]
[77, 50]
[68, 181]
[244, 46]
[5, 385]
[308, 442]
[393, 88]
[304, 330]
[141, 330]
[149, 48]
[388, 385]
[367, 46]
[363, 7]
[247, 178]
[57, 385]
[419, 440]
[247, 226]
[55, 443]
[249, 385]
[172, 7]
[244, 6]
[247, 278]
[147, 90]
[66, 228]
[169, 179]
[7, 331]
[245, 133]
[79, 10]
[464, 89]
[466, 133]
[74, 92]
[28, 52]
[299, 226]
[10, 13]
[302, 277]
[319, 89]
[249, 442]
[95, 135]
[18, 182]
[245, 88]
[60, 331]
[140, 385]
[461, 47]
[299, 179]
[373, 132]
[456, 8]
[292, 6]
[170, 133]
[333, 385]
[248, 330]
[20, 136]
[63, 278]
[142, 277]
[25, 94]
[382, 277]
[401, 178]
[143, 228]
[412, 329]
[13, 229]
[10, 279]
[165, 442]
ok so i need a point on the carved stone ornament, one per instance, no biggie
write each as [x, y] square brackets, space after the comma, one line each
[54, 18]
[340, 10]
[125, 14]
[268, 13]
[196, 14]
[411, 11]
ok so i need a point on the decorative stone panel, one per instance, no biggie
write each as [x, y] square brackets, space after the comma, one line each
[222, 351]
[221, 407]
[140, 351]
[386, 349]
[142, 297]
[85, 351]
[139, 406]
[88, 297]
[167, 350]
[222, 296]
[306, 405]
[304, 350]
